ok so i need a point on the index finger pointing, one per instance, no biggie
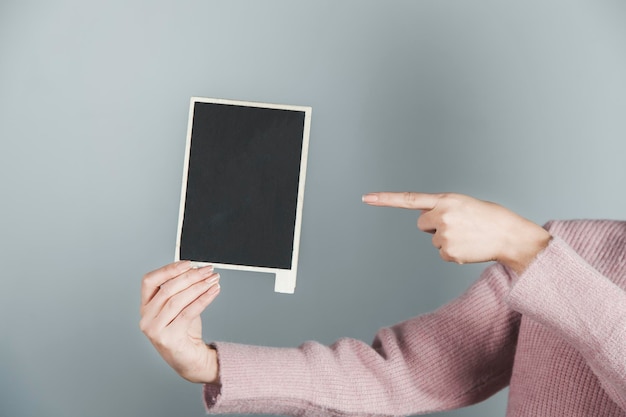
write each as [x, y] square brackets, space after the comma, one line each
[406, 200]
[154, 279]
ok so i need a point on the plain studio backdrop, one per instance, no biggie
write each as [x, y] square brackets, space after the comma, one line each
[523, 103]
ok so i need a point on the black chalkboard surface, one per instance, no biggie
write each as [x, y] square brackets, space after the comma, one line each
[243, 186]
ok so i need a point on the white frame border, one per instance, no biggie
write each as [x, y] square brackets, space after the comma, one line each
[285, 281]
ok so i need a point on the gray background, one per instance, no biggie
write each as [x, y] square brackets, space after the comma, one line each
[522, 103]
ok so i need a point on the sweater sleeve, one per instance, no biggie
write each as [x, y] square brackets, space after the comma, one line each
[563, 292]
[455, 356]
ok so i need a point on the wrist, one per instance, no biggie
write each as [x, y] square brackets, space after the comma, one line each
[525, 243]
[207, 369]
[212, 375]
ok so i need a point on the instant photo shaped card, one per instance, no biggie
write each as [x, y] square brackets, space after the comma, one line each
[243, 187]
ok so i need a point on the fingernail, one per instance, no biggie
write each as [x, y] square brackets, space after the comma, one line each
[369, 198]
[203, 269]
[184, 265]
[213, 279]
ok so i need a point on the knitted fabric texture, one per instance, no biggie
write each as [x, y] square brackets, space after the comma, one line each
[556, 335]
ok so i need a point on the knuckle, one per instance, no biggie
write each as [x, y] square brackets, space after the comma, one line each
[144, 326]
[445, 254]
[166, 291]
[408, 197]
[444, 236]
[453, 255]
[170, 304]
[145, 280]
[448, 219]
[451, 198]
[149, 280]
[171, 288]
[183, 314]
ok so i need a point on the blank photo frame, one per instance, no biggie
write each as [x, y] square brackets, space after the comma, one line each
[243, 187]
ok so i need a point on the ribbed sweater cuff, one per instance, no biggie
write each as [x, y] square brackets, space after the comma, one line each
[563, 292]
[555, 272]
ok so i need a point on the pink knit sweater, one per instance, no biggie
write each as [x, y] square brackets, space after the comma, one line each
[556, 335]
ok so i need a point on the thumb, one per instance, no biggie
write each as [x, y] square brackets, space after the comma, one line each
[406, 200]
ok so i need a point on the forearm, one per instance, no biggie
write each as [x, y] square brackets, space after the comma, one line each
[455, 356]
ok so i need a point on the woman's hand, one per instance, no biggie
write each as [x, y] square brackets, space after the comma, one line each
[467, 230]
[172, 299]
